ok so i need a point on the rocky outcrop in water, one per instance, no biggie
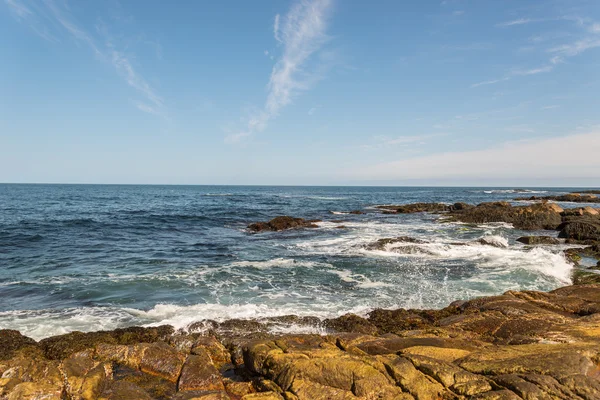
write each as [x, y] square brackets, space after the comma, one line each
[282, 223]
[423, 207]
[537, 240]
[530, 217]
[519, 345]
[587, 197]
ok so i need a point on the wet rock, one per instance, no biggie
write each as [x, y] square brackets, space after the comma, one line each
[382, 244]
[162, 360]
[282, 223]
[86, 377]
[580, 229]
[531, 217]
[537, 240]
[571, 197]
[199, 373]
[219, 355]
[59, 347]
[351, 323]
[122, 390]
[12, 341]
[415, 208]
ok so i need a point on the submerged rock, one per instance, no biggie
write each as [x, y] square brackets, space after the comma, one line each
[415, 208]
[382, 244]
[282, 223]
[536, 240]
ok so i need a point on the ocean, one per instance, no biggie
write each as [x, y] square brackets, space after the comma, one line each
[95, 257]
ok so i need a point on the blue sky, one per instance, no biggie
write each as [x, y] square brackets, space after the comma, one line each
[300, 92]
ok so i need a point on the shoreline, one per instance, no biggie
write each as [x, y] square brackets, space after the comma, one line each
[509, 346]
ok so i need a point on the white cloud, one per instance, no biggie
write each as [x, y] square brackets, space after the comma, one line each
[595, 28]
[533, 71]
[532, 159]
[58, 15]
[575, 48]
[19, 9]
[520, 21]
[552, 107]
[490, 82]
[302, 34]
[276, 28]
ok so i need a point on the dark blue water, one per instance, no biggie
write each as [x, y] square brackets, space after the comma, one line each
[89, 257]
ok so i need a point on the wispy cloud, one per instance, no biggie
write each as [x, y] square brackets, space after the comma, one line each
[276, 28]
[533, 71]
[575, 48]
[302, 33]
[19, 9]
[490, 82]
[519, 21]
[44, 13]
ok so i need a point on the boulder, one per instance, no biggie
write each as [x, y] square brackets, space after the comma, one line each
[580, 229]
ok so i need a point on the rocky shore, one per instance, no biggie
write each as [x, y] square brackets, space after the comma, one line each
[519, 345]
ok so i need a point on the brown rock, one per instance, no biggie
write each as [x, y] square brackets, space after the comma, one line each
[199, 373]
[162, 360]
[282, 223]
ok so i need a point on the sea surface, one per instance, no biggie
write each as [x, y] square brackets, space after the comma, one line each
[91, 257]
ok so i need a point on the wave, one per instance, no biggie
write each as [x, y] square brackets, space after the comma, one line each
[511, 191]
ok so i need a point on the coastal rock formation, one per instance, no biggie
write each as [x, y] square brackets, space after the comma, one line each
[530, 217]
[537, 240]
[414, 208]
[587, 197]
[580, 229]
[382, 244]
[282, 223]
[519, 345]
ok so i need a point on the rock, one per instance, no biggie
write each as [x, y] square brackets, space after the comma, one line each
[199, 373]
[461, 206]
[162, 360]
[532, 217]
[282, 223]
[415, 208]
[122, 390]
[356, 212]
[572, 197]
[537, 240]
[580, 229]
[12, 341]
[521, 344]
[59, 347]
[86, 377]
[492, 241]
[382, 244]
[351, 323]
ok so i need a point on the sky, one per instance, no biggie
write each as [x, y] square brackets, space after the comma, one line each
[301, 92]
